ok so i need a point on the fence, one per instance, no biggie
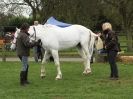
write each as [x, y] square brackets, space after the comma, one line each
[6, 52]
[124, 43]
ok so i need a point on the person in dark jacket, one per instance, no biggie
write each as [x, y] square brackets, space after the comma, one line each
[23, 46]
[112, 46]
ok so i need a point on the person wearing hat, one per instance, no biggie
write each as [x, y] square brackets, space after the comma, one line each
[23, 46]
[37, 50]
[112, 46]
[36, 23]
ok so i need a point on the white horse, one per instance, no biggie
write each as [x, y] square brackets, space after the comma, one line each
[55, 38]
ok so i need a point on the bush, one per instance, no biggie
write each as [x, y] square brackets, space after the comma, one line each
[17, 21]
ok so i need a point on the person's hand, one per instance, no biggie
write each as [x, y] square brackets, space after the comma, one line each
[39, 41]
[99, 34]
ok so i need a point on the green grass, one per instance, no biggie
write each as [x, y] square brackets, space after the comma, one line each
[74, 85]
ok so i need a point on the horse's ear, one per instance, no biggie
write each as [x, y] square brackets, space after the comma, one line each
[16, 28]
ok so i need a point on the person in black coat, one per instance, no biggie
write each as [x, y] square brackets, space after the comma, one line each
[23, 46]
[112, 46]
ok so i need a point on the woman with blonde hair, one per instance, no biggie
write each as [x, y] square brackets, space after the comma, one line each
[112, 46]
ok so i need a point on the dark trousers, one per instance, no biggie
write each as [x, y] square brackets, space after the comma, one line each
[112, 61]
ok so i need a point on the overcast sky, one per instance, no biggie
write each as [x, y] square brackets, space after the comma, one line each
[25, 10]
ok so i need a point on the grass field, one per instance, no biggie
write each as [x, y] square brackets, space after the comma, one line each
[74, 85]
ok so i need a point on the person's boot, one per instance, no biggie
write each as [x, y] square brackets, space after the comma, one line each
[22, 78]
[26, 76]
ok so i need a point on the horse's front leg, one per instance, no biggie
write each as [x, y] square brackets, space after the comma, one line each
[43, 71]
[57, 64]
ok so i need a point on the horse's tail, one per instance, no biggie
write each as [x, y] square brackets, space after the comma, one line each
[92, 38]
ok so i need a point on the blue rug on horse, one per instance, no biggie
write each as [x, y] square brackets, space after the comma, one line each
[53, 21]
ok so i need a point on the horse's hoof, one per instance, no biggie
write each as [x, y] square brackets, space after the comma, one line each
[83, 73]
[58, 78]
[86, 73]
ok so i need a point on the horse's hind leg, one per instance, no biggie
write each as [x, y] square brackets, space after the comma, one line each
[43, 71]
[84, 57]
[57, 63]
[87, 59]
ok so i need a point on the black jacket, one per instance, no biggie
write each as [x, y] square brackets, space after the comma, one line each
[23, 44]
[111, 41]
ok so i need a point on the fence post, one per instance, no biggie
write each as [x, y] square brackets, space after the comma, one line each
[3, 53]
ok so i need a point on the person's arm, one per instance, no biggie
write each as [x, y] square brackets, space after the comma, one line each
[27, 42]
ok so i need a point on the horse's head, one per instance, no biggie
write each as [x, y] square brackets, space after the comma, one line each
[13, 43]
[32, 32]
[35, 32]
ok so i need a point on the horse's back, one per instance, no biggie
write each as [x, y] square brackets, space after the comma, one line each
[68, 32]
[62, 38]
